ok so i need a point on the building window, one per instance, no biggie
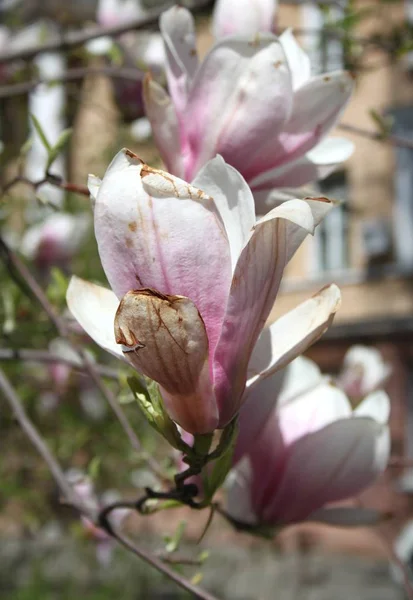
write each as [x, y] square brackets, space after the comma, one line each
[403, 205]
[325, 50]
[330, 243]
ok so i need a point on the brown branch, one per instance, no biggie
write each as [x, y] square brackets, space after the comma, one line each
[54, 180]
[394, 140]
[44, 356]
[78, 38]
[11, 396]
[60, 479]
[18, 89]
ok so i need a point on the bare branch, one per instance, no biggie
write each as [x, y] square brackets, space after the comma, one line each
[33, 435]
[394, 140]
[78, 38]
[44, 356]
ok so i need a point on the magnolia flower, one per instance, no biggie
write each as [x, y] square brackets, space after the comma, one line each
[55, 240]
[194, 278]
[364, 371]
[306, 450]
[243, 17]
[85, 490]
[253, 101]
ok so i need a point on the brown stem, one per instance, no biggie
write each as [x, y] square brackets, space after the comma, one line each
[394, 140]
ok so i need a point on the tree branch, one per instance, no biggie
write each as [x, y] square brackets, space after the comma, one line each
[78, 38]
[394, 140]
[60, 479]
[44, 356]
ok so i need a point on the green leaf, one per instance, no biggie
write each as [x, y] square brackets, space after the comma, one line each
[215, 474]
[25, 149]
[150, 401]
[94, 467]
[58, 147]
[173, 542]
[40, 133]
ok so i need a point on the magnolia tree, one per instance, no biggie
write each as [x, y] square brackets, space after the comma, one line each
[194, 254]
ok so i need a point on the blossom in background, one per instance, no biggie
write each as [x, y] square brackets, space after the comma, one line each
[83, 486]
[364, 371]
[304, 447]
[243, 17]
[55, 241]
[194, 278]
[251, 100]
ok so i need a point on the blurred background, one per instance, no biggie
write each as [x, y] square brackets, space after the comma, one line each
[365, 246]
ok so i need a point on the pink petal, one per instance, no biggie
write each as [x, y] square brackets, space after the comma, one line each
[164, 122]
[178, 31]
[243, 17]
[240, 99]
[164, 337]
[255, 284]
[317, 106]
[154, 231]
[329, 465]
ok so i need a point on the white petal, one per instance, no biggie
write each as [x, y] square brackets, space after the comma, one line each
[94, 307]
[294, 332]
[233, 199]
[376, 405]
[298, 60]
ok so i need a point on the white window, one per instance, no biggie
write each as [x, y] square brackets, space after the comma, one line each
[325, 50]
[330, 248]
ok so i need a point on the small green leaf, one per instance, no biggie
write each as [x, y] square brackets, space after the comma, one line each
[40, 132]
[215, 474]
[58, 147]
[173, 542]
[25, 149]
[94, 467]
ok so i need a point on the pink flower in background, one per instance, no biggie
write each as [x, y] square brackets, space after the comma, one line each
[364, 371]
[251, 100]
[194, 278]
[55, 241]
[243, 17]
[305, 447]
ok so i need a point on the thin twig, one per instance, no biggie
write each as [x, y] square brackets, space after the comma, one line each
[23, 87]
[60, 479]
[394, 140]
[49, 178]
[37, 441]
[78, 38]
[44, 356]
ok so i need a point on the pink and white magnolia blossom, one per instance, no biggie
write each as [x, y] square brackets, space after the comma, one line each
[364, 371]
[243, 17]
[304, 447]
[194, 277]
[56, 239]
[251, 100]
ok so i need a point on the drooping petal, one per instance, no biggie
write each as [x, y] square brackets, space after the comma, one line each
[154, 230]
[233, 199]
[164, 122]
[364, 371]
[178, 32]
[298, 60]
[94, 307]
[291, 335]
[254, 288]
[332, 464]
[164, 337]
[240, 98]
[243, 17]
[317, 106]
